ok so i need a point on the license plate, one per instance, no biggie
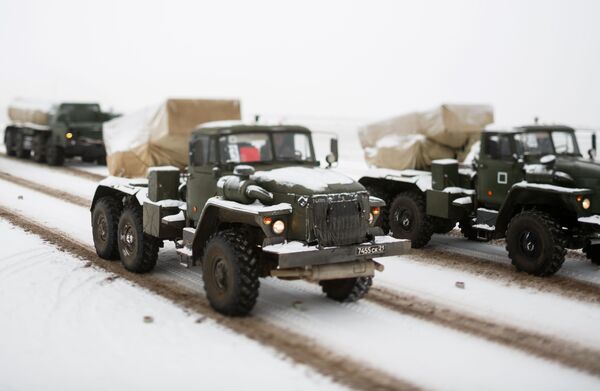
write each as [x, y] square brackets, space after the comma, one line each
[370, 250]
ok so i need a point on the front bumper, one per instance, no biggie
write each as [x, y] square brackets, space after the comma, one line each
[299, 254]
[88, 147]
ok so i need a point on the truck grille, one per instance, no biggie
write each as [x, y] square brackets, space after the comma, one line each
[340, 219]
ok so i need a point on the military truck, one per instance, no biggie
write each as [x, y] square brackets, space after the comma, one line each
[253, 203]
[61, 131]
[530, 185]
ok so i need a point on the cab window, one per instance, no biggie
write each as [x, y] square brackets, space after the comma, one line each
[245, 148]
[498, 147]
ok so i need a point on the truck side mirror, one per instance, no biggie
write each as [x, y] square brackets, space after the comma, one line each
[216, 172]
[592, 151]
[333, 156]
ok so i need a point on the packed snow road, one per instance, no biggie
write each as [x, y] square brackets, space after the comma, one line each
[399, 344]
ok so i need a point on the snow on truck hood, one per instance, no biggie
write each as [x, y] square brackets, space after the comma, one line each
[305, 180]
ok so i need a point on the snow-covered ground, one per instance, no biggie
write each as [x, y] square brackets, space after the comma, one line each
[44, 297]
[399, 344]
[65, 326]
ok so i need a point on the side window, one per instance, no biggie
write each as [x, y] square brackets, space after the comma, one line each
[498, 147]
[199, 151]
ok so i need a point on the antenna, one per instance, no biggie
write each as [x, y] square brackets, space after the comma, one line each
[536, 119]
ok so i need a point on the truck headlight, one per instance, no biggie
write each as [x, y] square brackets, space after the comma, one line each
[69, 135]
[586, 203]
[278, 227]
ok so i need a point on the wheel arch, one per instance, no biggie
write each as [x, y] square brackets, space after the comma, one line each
[389, 187]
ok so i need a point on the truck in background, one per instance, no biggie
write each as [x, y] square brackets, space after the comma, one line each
[52, 133]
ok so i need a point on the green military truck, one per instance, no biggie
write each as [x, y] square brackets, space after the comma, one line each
[51, 134]
[530, 185]
[253, 203]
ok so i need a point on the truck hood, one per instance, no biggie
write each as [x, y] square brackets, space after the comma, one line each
[306, 181]
[583, 171]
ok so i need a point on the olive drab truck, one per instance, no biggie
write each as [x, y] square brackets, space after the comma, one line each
[253, 203]
[530, 185]
[51, 133]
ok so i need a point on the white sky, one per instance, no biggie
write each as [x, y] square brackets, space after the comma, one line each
[341, 59]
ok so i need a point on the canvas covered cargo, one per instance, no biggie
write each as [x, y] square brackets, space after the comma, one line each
[21, 111]
[159, 135]
[413, 140]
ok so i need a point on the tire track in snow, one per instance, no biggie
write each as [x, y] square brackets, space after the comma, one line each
[549, 347]
[70, 170]
[298, 347]
[61, 195]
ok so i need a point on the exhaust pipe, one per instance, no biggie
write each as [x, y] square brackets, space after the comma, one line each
[334, 271]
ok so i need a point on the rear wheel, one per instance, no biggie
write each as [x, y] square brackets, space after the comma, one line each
[138, 251]
[9, 142]
[409, 220]
[39, 148]
[535, 243]
[593, 253]
[55, 155]
[20, 150]
[105, 224]
[230, 273]
[88, 159]
[347, 290]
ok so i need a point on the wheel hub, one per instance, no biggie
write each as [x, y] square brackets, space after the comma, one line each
[220, 274]
[102, 228]
[529, 243]
[405, 218]
[127, 239]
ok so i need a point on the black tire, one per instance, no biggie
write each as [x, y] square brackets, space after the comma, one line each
[535, 243]
[55, 155]
[138, 251]
[88, 159]
[347, 290]
[408, 219]
[20, 150]
[39, 148]
[230, 273]
[466, 228]
[443, 226]
[105, 225]
[9, 142]
[593, 254]
[101, 161]
[384, 217]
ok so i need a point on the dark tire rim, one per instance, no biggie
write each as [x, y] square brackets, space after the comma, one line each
[102, 228]
[404, 219]
[529, 244]
[128, 239]
[220, 274]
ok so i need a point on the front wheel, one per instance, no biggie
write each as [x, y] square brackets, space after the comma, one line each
[347, 290]
[230, 273]
[138, 251]
[408, 219]
[535, 243]
[55, 155]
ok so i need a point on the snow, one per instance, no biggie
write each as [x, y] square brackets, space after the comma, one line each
[314, 179]
[445, 162]
[256, 208]
[553, 188]
[595, 219]
[70, 327]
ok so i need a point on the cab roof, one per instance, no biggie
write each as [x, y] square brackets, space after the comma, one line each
[230, 127]
[531, 129]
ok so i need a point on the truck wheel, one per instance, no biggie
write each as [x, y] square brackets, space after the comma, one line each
[39, 148]
[408, 219]
[138, 251]
[593, 254]
[55, 156]
[105, 224]
[346, 290]
[230, 273]
[384, 216]
[9, 142]
[535, 243]
[20, 150]
[101, 161]
[88, 159]
[443, 226]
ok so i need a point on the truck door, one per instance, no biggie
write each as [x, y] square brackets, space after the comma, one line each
[499, 169]
[202, 181]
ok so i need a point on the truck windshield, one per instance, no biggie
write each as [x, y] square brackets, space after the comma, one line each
[547, 143]
[80, 113]
[265, 147]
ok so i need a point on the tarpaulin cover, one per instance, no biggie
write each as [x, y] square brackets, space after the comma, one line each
[22, 111]
[413, 140]
[159, 135]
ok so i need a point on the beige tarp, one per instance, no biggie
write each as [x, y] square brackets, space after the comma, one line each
[413, 140]
[22, 111]
[159, 135]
